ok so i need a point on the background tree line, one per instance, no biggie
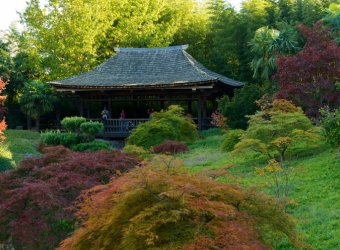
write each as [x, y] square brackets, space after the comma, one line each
[65, 37]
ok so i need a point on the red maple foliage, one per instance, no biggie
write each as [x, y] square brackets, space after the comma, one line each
[171, 147]
[2, 120]
[36, 198]
[309, 77]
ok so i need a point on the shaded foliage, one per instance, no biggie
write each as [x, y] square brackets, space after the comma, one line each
[92, 146]
[37, 197]
[241, 105]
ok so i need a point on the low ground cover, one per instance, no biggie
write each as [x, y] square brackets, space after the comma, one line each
[314, 194]
[18, 144]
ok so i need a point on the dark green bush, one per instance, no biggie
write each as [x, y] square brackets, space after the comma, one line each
[171, 124]
[58, 138]
[91, 146]
[231, 138]
[72, 124]
[242, 104]
[331, 127]
[5, 164]
[90, 129]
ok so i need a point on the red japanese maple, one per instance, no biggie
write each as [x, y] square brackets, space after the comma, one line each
[309, 77]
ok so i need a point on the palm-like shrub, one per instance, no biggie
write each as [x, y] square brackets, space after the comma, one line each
[37, 99]
[171, 124]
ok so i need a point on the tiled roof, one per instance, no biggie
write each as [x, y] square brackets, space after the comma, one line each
[146, 67]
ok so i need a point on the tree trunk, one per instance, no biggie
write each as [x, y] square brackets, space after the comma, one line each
[37, 123]
[29, 123]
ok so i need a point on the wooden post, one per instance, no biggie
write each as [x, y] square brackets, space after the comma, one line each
[204, 112]
[109, 106]
[189, 106]
[81, 111]
[199, 112]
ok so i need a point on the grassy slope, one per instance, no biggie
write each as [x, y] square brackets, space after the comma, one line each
[20, 143]
[316, 187]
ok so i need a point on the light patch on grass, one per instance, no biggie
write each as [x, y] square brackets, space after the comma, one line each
[19, 143]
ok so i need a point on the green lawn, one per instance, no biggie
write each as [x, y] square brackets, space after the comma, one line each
[18, 144]
[316, 191]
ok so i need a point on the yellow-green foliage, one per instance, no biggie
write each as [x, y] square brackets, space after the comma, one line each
[6, 159]
[136, 151]
[279, 128]
[154, 208]
[171, 124]
[231, 138]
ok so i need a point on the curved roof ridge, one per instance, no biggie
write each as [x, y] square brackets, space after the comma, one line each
[199, 67]
[178, 47]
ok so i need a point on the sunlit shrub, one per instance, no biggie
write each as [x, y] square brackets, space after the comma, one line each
[171, 147]
[36, 197]
[171, 124]
[231, 138]
[92, 146]
[153, 208]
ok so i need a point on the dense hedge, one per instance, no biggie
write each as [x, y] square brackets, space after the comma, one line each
[36, 198]
[171, 124]
[92, 146]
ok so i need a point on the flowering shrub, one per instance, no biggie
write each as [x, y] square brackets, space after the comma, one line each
[36, 198]
[153, 208]
[219, 120]
[171, 147]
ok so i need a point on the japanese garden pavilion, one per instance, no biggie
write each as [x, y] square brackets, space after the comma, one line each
[145, 75]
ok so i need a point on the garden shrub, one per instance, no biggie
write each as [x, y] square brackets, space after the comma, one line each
[36, 198]
[231, 138]
[136, 151]
[331, 127]
[152, 208]
[171, 147]
[90, 129]
[171, 124]
[72, 124]
[276, 122]
[241, 105]
[54, 138]
[92, 146]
